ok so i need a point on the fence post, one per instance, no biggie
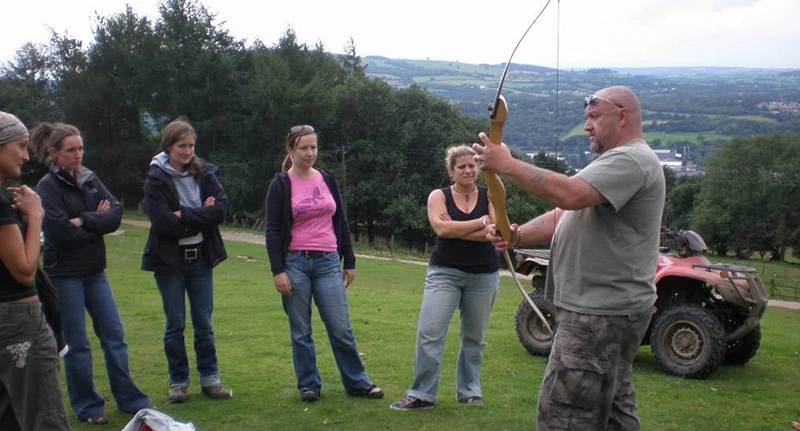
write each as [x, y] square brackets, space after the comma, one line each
[772, 288]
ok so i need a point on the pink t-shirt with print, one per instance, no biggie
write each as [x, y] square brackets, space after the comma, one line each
[312, 214]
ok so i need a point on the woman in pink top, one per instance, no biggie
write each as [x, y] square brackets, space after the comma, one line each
[307, 239]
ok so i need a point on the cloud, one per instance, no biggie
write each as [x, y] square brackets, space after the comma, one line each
[608, 33]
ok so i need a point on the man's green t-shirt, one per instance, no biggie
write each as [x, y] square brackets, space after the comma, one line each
[603, 258]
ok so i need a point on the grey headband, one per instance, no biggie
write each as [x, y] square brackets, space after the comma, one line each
[11, 128]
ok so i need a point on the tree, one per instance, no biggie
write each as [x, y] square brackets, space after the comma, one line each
[680, 202]
[194, 66]
[26, 90]
[25, 85]
[351, 61]
[748, 198]
[104, 91]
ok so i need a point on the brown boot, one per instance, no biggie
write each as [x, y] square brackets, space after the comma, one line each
[217, 392]
[177, 394]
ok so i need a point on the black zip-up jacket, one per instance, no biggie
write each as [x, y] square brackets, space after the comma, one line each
[278, 232]
[70, 250]
[161, 200]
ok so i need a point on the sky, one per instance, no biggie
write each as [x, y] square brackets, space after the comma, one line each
[571, 34]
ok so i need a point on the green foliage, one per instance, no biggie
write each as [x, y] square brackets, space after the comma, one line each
[680, 202]
[25, 86]
[385, 142]
[749, 195]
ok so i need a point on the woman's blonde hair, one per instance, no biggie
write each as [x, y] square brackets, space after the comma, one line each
[452, 154]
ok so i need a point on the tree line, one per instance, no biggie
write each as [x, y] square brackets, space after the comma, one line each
[386, 145]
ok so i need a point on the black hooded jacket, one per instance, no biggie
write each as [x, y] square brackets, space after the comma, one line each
[161, 200]
[71, 250]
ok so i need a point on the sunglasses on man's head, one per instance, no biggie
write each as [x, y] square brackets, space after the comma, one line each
[590, 99]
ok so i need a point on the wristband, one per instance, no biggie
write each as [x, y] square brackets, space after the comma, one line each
[483, 221]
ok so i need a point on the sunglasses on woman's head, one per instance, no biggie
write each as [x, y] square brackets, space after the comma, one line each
[305, 128]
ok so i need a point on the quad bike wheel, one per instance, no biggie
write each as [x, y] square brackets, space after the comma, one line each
[741, 351]
[530, 330]
[688, 341]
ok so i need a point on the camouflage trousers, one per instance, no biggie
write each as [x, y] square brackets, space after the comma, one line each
[588, 381]
[30, 391]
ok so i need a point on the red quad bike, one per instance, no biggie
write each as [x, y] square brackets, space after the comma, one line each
[707, 314]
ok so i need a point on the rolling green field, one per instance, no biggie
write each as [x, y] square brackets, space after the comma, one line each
[646, 113]
[664, 137]
[688, 136]
[255, 359]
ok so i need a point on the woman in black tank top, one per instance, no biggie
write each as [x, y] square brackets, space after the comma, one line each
[30, 391]
[463, 274]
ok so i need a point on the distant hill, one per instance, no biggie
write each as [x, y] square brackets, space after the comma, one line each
[695, 108]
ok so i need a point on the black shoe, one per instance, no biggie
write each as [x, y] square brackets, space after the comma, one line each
[309, 395]
[372, 392]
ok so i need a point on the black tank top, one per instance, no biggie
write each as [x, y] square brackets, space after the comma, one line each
[10, 289]
[468, 256]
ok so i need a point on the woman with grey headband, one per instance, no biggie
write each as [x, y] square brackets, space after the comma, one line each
[30, 391]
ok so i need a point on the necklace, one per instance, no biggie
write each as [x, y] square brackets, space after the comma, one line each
[466, 195]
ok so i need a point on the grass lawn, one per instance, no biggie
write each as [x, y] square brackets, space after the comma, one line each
[781, 279]
[255, 360]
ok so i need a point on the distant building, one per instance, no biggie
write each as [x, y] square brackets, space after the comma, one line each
[676, 162]
[776, 107]
[549, 154]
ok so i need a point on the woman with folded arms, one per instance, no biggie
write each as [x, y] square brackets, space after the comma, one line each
[462, 274]
[185, 204]
[79, 211]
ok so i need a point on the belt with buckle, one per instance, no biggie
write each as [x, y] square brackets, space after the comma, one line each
[309, 254]
[189, 253]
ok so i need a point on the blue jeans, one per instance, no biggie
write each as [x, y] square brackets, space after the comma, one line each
[445, 290]
[321, 278]
[93, 293]
[195, 280]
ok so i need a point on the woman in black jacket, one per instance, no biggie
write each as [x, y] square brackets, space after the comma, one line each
[185, 204]
[79, 210]
[307, 237]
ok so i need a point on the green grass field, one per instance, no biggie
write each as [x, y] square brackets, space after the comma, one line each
[255, 359]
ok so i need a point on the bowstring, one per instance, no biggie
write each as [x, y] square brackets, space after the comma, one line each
[558, 70]
[508, 63]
